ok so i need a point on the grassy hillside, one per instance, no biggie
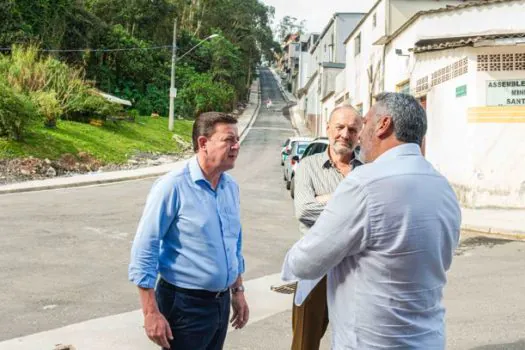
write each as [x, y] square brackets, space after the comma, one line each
[110, 143]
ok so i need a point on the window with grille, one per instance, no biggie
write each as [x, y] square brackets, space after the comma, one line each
[501, 62]
[422, 85]
[449, 72]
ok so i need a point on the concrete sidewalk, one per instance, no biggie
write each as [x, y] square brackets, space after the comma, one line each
[125, 332]
[507, 222]
[244, 121]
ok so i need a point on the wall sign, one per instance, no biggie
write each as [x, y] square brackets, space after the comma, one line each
[461, 91]
[506, 92]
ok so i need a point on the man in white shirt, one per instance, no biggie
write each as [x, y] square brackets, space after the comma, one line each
[386, 238]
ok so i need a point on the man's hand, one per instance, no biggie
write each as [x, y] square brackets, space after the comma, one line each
[158, 329]
[241, 313]
[323, 198]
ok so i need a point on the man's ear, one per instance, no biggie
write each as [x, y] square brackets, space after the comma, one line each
[202, 141]
[384, 127]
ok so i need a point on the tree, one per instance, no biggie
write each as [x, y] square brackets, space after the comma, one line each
[289, 25]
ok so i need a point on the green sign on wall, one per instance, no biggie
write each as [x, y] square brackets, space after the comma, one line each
[461, 91]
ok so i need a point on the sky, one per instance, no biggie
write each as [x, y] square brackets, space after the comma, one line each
[316, 13]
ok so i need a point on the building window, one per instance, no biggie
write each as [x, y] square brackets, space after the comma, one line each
[374, 20]
[357, 44]
[495, 62]
[449, 72]
[422, 85]
[501, 62]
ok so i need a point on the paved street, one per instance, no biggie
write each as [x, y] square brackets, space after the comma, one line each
[65, 254]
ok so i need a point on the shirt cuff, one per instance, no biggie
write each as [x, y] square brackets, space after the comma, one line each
[241, 265]
[143, 281]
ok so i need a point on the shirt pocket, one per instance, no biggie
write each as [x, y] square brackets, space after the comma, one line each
[234, 222]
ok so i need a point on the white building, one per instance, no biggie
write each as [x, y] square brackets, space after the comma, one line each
[305, 60]
[327, 60]
[365, 49]
[467, 66]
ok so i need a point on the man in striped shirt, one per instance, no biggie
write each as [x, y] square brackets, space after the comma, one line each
[316, 179]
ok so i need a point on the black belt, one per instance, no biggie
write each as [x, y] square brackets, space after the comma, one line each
[194, 292]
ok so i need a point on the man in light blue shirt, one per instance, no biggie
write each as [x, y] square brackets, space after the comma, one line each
[190, 234]
[386, 238]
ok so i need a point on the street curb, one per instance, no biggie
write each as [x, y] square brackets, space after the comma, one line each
[125, 178]
[85, 183]
[491, 231]
[243, 134]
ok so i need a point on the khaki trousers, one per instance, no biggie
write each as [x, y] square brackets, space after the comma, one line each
[310, 320]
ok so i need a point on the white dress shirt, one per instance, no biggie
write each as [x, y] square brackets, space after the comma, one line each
[385, 239]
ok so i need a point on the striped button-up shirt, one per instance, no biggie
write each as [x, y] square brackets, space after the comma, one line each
[315, 176]
[386, 240]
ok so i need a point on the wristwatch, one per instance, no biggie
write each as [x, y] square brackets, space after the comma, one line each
[237, 289]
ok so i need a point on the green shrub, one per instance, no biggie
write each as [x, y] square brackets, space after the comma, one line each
[202, 94]
[17, 112]
[47, 105]
[57, 89]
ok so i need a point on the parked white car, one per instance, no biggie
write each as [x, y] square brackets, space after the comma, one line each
[288, 144]
[297, 150]
[318, 145]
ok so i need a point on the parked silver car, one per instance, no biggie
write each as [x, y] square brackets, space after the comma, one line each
[297, 150]
[318, 145]
[288, 144]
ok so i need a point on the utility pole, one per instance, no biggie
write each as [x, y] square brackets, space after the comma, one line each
[173, 91]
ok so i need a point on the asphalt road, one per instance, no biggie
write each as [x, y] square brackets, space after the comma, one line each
[65, 254]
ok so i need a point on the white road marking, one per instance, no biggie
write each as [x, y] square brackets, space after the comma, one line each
[124, 331]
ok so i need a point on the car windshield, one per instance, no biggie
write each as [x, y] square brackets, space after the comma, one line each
[301, 147]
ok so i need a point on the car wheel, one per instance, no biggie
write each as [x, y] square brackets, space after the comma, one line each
[292, 187]
[288, 185]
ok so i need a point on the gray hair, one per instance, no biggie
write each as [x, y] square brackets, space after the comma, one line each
[348, 107]
[408, 116]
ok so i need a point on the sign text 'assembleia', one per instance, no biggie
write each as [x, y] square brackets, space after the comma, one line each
[506, 92]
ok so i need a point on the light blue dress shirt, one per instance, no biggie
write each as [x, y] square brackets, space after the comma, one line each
[386, 240]
[189, 233]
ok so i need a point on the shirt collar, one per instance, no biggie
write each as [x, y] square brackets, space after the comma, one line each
[195, 170]
[406, 149]
[327, 162]
[196, 174]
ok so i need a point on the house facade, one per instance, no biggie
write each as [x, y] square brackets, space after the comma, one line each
[326, 62]
[466, 65]
[365, 47]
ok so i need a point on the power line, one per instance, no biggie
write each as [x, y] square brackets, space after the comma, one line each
[97, 50]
